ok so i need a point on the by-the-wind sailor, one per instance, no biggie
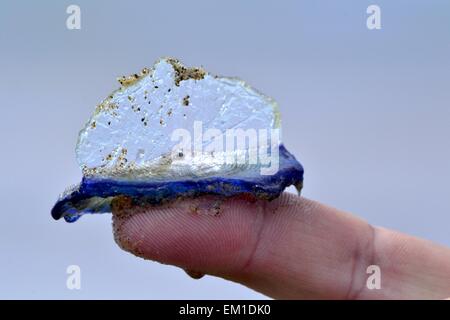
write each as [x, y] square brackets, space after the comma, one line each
[172, 131]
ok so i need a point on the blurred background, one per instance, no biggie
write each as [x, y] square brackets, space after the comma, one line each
[367, 112]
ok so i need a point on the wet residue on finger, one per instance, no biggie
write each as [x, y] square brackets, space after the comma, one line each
[194, 274]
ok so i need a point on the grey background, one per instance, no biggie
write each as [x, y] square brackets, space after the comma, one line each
[366, 112]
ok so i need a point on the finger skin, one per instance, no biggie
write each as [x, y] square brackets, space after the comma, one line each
[290, 248]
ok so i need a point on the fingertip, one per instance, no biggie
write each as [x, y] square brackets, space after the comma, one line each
[277, 247]
[209, 234]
